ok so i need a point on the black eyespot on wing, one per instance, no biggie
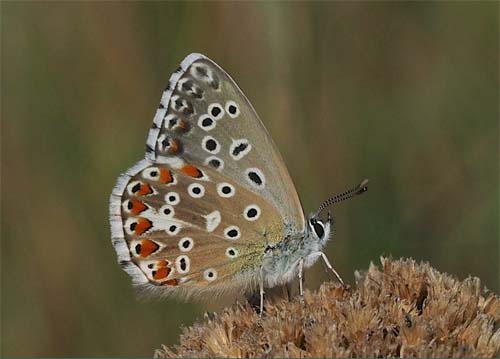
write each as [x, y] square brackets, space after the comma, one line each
[240, 148]
[136, 187]
[251, 213]
[196, 190]
[214, 163]
[255, 178]
[186, 244]
[215, 111]
[211, 145]
[232, 109]
[232, 233]
[183, 264]
[226, 189]
[207, 122]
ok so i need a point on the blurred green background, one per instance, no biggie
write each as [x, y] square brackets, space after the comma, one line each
[405, 94]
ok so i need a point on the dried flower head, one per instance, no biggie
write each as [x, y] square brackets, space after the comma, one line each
[406, 309]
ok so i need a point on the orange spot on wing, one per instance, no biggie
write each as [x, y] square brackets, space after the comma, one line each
[171, 282]
[144, 190]
[165, 176]
[142, 226]
[148, 247]
[137, 206]
[161, 263]
[174, 146]
[192, 171]
[161, 273]
[181, 125]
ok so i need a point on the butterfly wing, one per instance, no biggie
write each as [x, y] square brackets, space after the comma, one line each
[212, 193]
[224, 131]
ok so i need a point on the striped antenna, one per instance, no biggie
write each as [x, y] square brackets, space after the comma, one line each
[359, 189]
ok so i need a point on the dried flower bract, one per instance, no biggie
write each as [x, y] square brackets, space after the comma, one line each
[405, 309]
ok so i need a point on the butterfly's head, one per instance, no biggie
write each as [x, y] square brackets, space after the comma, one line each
[319, 229]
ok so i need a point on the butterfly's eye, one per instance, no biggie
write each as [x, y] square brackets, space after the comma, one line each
[318, 227]
[232, 109]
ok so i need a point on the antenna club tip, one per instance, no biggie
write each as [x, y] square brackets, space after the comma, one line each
[363, 186]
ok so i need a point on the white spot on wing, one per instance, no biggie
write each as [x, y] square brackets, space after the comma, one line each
[213, 220]
[210, 274]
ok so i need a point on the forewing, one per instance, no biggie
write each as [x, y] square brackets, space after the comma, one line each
[205, 118]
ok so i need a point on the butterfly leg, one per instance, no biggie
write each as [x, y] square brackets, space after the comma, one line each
[301, 277]
[261, 288]
[330, 267]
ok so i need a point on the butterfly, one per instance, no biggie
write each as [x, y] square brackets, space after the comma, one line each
[212, 208]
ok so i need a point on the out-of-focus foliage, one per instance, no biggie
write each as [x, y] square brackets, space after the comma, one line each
[402, 93]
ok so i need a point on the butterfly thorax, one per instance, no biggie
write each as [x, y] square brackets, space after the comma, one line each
[280, 261]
